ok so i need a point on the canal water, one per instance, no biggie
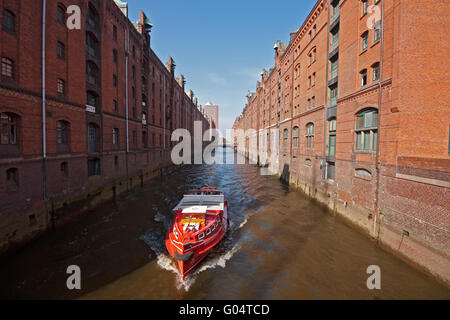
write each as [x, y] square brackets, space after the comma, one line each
[281, 245]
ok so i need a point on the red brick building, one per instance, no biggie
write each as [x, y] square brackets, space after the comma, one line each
[107, 109]
[360, 98]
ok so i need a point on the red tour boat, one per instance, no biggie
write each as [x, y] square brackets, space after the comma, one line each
[200, 222]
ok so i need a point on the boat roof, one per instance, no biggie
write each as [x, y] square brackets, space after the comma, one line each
[201, 203]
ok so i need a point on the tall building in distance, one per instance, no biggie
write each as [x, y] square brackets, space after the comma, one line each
[213, 112]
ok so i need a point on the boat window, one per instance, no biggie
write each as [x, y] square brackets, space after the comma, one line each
[214, 227]
[208, 232]
[201, 236]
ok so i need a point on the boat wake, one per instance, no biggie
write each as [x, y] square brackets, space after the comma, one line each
[218, 257]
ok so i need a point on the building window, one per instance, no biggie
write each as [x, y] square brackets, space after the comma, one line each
[93, 167]
[332, 138]
[7, 68]
[61, 14]
[114, 80]
[115, 106]
[376, 71]
[115, 33]
[116, 137]
[365, 6]
[12, 177]
[313, 102]
[92, 99]
[9, 128]
[363, 77]
[314, 30]
[310, 136]
[309, 82]
[92, 73]
[115, 56]
[295, 136]
[60, 50]
[133, 72]
[9, 21]
[333, 96]
[286, 137]
[64, 169]
[134, 52]
[367, 130]
[93, 138]
[314, 79]
[365, 41]
[116, 161]
[144, 139]
[330, 170]
[61, 87]
[92, 45]
[62, 132]
[376, 33]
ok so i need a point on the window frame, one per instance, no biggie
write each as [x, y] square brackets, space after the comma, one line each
[366, 133]
[8, 68]
[310, 136]
[8, 14]
[10, 122]
[60, 50]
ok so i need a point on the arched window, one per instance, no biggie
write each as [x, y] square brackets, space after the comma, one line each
[365, 40]
[9, 21]
[61, 14]
[310, 136]
[376, 71]
[7, 68]
[366, 130]
[363, 74]
[286, 137]
[8, 123]
[295, 136]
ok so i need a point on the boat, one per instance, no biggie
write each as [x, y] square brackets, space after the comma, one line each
[200, 223]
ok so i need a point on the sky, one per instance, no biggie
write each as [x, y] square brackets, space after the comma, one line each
[221, 46]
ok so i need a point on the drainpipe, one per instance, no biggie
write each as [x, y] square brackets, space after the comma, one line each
[44, 133]
[324, 164]
[126, 97]
[380, 96]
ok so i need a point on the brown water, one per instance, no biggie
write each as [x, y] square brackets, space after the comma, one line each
[281, 245]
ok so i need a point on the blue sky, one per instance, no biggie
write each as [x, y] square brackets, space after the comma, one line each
[221, 46]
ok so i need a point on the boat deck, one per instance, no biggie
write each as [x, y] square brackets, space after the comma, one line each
[201, 203]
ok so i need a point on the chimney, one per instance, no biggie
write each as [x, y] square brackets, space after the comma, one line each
[182, 82]
[123, 6]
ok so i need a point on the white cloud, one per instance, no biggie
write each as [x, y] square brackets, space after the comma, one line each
[216, 78]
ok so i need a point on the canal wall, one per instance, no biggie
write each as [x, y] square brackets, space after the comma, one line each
[21, 229]
[411, 248]
[389, 231]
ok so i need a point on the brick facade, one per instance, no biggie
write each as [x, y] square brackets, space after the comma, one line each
[100, 146]
[378, 101]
